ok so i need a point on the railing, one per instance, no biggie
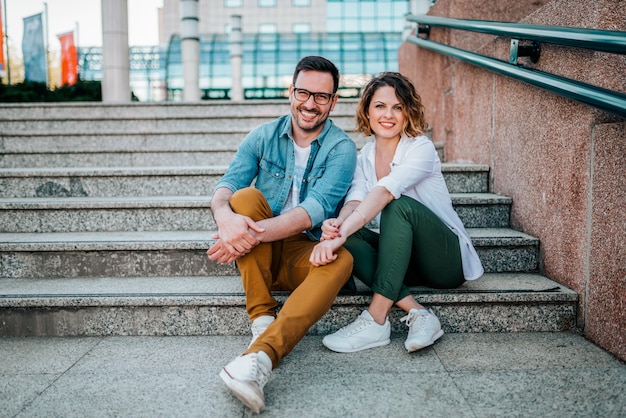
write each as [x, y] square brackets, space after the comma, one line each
[270, 93]
[598, 40]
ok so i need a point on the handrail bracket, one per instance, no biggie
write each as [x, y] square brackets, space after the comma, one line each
[526, 41]
[533, 51]
[424, 29]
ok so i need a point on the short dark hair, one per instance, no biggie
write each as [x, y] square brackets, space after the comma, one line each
[316, 63]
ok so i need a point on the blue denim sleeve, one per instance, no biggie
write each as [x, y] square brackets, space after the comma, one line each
[245, 166]
[331, 182]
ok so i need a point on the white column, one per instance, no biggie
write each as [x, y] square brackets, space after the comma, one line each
[236, 58]
[190, 48]
[420, 7]
[115, 51]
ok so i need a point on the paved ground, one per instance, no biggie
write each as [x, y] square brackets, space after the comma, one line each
[463, 375]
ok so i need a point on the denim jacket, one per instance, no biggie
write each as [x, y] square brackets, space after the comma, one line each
[267, 156]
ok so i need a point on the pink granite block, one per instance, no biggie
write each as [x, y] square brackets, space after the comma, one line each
[541, 160]
[472, 115]
[597, 68]
[427, 71]
[561, 161]
[606, 281]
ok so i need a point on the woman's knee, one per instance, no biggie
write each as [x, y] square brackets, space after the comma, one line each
[405, 209]
[404, 204]
[398, 208]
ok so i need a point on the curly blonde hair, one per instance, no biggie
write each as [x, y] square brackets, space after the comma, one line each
[412, 107]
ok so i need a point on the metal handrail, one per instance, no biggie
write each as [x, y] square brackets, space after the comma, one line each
[598, 40]
[601, 98]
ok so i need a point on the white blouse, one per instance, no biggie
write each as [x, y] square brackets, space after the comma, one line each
[416, 173]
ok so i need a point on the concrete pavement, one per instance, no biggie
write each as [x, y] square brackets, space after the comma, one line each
[462, 375]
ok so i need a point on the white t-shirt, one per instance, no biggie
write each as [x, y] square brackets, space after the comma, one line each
[301, 156]
[416, 173]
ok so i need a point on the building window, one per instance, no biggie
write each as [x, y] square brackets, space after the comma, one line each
[267, 28]
[349, 16]
[301, 3]
[267, 3]
[301, 28]
[233, 3]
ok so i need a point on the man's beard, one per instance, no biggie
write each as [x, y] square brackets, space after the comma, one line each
[310, 128]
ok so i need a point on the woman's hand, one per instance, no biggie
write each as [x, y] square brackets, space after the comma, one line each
[330, 229]
[324, 252]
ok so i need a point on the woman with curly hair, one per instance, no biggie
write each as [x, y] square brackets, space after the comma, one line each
[421, 241]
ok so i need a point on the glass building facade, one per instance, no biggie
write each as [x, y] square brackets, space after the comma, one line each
[365, 15]
[362, 38]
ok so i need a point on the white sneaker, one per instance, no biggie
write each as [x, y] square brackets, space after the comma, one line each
[362, 334]
[259, 326]
[424, 329]
[246, 376]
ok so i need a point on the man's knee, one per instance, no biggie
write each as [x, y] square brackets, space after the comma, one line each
[242, 198]
[344, 263]
[250, 202]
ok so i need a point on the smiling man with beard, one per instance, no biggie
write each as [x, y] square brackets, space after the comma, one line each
[301, 166]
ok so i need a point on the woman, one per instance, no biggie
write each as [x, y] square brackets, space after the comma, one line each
[422, 241]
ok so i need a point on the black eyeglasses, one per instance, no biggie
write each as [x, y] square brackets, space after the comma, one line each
[303, 95]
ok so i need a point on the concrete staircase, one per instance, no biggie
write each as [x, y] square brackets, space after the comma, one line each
[105, 221]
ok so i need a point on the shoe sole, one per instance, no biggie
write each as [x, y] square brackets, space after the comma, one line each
[414, 347]
[354, 350]
[247, 395]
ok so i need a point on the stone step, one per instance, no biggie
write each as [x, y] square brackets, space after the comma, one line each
[128, 150]
[183, 253]
[151, 119]
[167, 181]
[118, 159]
[178, 213]
[65, 135]
[125, 111]
[216, 306]
[109, 181]
[483, 210]
[106, 214]
[178, 126]
[179, 151]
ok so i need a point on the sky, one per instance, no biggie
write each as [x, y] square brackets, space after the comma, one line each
[63, 16]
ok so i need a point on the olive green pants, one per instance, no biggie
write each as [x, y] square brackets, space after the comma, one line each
[414, 248]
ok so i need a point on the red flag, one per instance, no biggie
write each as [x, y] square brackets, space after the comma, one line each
[69, 59]
[2, 64]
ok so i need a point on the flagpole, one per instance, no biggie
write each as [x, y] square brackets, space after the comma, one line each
[77, 43]
[6, 39]
[45, 5]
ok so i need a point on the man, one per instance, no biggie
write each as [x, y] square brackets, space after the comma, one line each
[301, 165]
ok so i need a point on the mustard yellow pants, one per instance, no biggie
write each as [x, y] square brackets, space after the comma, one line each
[284, 265]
